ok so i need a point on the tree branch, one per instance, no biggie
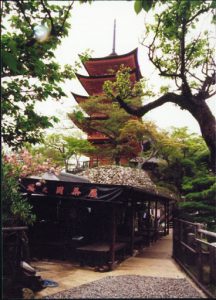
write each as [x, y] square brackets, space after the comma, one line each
[139, 112]
[66, 15]
[89, 126]
[185, 86]
[20, 6]
[192, 75]
[201, 11]
[204, 91]
[53, 31]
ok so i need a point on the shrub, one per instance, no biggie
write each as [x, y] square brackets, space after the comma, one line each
[15, 208]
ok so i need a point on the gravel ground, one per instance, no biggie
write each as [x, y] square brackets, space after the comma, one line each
[131, 286]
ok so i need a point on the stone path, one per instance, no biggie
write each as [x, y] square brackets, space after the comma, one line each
[154, 261]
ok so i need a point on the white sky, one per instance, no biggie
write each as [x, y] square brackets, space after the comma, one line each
[92, 28]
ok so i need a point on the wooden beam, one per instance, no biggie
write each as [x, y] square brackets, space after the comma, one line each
[212, 262]
[155, 221]
[165, 220]
[113, 237]
[168, 213]
[132, 229]
[14, 228]
[148, 223]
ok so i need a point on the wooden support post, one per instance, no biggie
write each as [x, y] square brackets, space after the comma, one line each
[148, 223]
[199, 262]
[168, 213]
[212, 261]
[155, 222]
[174, 237]
[132, 229]
[113, 237]
[165, 218]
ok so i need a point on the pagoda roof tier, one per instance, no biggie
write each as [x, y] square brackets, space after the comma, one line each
[104, 65]
[97, 136]
[85, 128]
[99, 142]
[81, 99]
[94, 84]
[97, 116]
[98, 139]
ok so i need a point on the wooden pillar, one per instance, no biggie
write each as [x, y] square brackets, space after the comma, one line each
[212, 261]
[113, 237]
[132, 229]
[199, 262]
[148, 223]
[168, 215]
[174, 238]
[155, 222]
[165, 218]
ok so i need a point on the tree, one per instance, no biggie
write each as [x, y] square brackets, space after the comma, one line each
[200, 201]
[29, 71]
[185, 57]
[110, 120]
[27, 163]
[15, 208]
[181, 153]
[59, 149]
[187, 173]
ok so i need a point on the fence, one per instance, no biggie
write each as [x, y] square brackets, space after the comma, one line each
[194, 248]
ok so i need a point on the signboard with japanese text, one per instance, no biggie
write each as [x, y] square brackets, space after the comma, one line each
[73, 190]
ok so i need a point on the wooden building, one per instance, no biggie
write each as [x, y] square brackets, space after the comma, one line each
[96, 224]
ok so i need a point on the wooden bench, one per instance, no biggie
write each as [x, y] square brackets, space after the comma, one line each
[98, 254]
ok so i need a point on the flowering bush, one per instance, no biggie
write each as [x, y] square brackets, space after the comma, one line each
[15, 208]
[27, 164]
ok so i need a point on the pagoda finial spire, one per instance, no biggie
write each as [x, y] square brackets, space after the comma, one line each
[114, 39]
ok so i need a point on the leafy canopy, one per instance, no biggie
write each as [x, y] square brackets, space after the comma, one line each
[110, 120]
[180, 45]
[59, 149]
[29, 69]
[15, 209]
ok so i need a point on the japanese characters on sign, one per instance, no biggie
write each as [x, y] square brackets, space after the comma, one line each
[75, 191]
[62, 191]
[93, 193]
[31, 187]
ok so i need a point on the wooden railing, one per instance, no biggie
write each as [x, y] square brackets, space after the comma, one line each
[194, 248]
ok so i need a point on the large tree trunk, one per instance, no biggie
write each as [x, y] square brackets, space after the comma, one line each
[207, 123]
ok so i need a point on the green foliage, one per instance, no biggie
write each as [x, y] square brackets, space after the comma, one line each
[29, 71]
[166, 49]
[85, 1]
[123, 87]
[15, 209]
[199, 184]
[200, 200]
[143, 4]
[182, 155]
[112, 123]
[187, 174]
[179, 45]
[59, 149]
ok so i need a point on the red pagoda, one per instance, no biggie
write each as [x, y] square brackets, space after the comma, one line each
[99, 72]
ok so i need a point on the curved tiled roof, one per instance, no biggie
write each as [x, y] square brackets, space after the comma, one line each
[103, 65]
[94, 84]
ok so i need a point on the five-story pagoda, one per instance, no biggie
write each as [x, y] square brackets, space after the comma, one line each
[99, 72]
